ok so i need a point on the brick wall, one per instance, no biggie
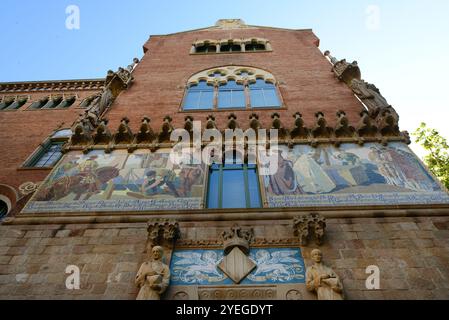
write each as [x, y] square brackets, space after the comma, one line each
[306, 81]
[22, 132]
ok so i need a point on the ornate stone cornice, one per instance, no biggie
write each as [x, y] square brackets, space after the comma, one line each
[51, 86]
[381, 128]
[256, 243]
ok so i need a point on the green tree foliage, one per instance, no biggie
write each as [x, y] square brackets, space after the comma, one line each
[437, 158]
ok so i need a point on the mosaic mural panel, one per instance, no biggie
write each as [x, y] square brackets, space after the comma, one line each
[351, 175]
[119, 182]
[274, 266]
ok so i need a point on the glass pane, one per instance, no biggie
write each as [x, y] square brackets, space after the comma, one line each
[202, 85]
[3, 209]
[14, 106]
[231, 95]
[236, 48]
[253, 186]
[66, 103]
[201, 49]
[231, 84]
[65, 133]
[38, 104]
[20, 103]
[225, 48]
[6, 104]
[271, 98]
[238, 99]
[206, 100]
[224, 99]
[50, 157]
[50, 104]
[257, 98]
[212, 49]
[212, 193]
[233, 189]
[192, 100]
[260, 83]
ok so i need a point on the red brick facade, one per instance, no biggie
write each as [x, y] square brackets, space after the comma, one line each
[306, 82]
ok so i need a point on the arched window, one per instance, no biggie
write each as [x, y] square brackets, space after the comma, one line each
[199, 97]
[206, 48]
[255, 46]
[13, 103]
[231, 87]
[263, 94]
[54, 102]
[231, 95]
[237, 45]
[50, 152]
[230, 46]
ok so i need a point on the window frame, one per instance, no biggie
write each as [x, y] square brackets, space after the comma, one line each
[256, 47]
[58, 102]
[4, 209]
[17, 103]
[42, 149]
[253, 87]
[232, 44]
[247, 93]
[43, 152]
[191, 88]
[233, 89]
[234, 167]
[208, 49]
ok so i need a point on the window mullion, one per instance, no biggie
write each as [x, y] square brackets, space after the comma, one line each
[198, 101]
[220, 188]
[264, 98]
[245, 178]
[216, 93]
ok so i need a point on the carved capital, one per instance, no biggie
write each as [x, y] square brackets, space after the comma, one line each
[309, 226]
[162, 231]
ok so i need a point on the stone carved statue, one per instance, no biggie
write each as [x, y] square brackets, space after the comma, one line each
[369, 94]
[153, 277]
[322, 280]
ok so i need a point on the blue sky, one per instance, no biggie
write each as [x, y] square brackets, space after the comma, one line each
[401, 45]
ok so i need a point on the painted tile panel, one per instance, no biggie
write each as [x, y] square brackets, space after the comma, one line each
[274, 266]
[351, 175]
[119, 182]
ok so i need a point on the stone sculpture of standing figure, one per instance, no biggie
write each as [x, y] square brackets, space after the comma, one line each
[153, 277]
[322, 280]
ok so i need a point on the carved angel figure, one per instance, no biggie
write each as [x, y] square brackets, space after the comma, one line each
[195, 266]
[278, 265]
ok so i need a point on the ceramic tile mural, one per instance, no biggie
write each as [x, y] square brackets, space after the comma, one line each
[351, 175]
[119, 182]
[274, 266]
